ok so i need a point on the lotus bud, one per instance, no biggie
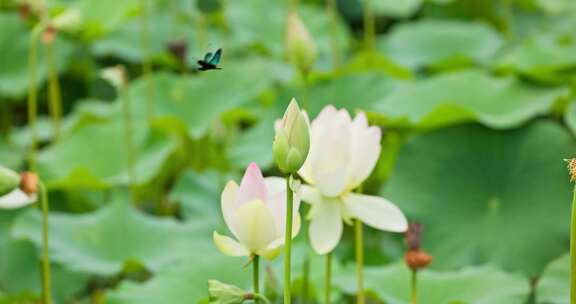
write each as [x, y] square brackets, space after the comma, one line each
[115, 75]
[300, 46]
[221, 293]
[68, 21]
[9, 180]
[292, 141]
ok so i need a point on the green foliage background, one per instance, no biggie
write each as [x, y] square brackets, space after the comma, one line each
[475, 99]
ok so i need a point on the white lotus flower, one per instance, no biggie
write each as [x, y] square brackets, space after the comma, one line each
[343, 153]
[255, 213]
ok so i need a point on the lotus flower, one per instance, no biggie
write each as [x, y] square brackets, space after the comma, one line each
[15, 189]
[255, 213]
[343, 153]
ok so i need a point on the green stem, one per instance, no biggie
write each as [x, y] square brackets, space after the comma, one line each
[32, 98]
[293, 4]
[256, 276]
[146, 65]
[305, 280]
[128, 140]
[332, 9]
[573, 251]
[414, 286]
[54, 95]
[264, 299]
[288, 242]
[46, 285]
[369, 26]
[328, 278]
[359, 247]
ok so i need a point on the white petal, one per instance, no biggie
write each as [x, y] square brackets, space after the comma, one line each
[319, 126]
[376, 212]
[330, 157]
[331, 183]
[310, 195]
[276, 188]
[325, 225]
[228, 204]
[365, 150]
[274, 249]
[255, 227]
[16, 199]
[228, 246]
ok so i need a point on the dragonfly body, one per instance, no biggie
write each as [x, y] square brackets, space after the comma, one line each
[210, 61]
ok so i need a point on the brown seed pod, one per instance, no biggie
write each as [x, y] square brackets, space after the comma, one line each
[29, 182]
[571, 168]
[417, 259]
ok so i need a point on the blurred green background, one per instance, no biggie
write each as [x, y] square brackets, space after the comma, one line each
[475, 99]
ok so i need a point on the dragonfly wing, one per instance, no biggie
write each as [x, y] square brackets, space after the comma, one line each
[216, 58]
[208, 57]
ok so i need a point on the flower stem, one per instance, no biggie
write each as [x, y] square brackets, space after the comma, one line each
[369, 25]
[573, 251]
[146, 66]
[288, 242]
[46, 285]
[264, 299]
[328, 278]
[256, 276]
[54, 95]
[32, 98]
[359, 246]
[414, 286]
[305, 280]
[332, 9]
[128, 136]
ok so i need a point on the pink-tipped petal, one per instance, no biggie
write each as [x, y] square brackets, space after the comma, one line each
[252, 186]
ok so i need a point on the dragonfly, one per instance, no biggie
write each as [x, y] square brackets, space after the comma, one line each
[210, 61]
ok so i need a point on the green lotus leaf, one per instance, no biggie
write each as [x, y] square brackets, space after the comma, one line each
[267, 32]
[359, 91]
[554, 284]
[103, 242]
[427, 43]
[95, 156]
[470, 95]
[185, 282]
[484, 196]
[483, 284]
[197, 102]
[198, 195]
[15, 44]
